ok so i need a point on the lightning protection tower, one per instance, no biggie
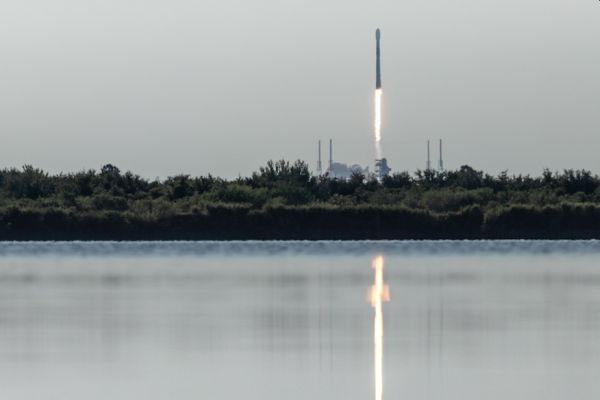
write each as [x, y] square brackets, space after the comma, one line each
[428, 157]
[441, 164]
[330, 153]
[319, 165]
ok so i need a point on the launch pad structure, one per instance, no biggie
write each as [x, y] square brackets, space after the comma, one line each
[381, 168]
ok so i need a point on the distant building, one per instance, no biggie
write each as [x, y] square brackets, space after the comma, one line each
[343, 171]
[336, 169]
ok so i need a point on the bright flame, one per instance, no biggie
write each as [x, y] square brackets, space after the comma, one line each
[379, 292]
[378, 96]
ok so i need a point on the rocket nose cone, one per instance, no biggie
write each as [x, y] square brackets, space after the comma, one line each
[378, 34]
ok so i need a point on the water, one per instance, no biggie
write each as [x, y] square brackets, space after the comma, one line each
[275, 320]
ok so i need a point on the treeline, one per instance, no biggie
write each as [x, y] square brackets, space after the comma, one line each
[283, 200]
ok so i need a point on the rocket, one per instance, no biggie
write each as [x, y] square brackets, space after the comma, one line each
[378, 62]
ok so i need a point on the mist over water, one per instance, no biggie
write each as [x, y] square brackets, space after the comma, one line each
[295, 320]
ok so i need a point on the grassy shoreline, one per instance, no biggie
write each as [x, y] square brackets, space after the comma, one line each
[284, 201]
[576, 221]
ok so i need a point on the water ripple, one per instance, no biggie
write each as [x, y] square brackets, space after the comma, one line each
[318, 248]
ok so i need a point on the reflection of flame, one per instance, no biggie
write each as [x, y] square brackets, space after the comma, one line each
[378, 94]
[379, 292]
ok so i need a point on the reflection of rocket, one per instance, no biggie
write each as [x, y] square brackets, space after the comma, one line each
[379, 293]
[378, 67]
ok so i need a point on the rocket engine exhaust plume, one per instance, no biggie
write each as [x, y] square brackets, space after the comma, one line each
[378, 95]
[379, 293]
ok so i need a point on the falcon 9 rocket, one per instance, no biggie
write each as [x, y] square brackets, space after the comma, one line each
[378, 61]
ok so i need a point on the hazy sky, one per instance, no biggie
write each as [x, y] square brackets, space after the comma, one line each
[162, 87]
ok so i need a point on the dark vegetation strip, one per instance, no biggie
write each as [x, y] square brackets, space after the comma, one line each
[284, 201]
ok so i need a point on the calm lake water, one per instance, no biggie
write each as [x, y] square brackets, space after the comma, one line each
[298, 320]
